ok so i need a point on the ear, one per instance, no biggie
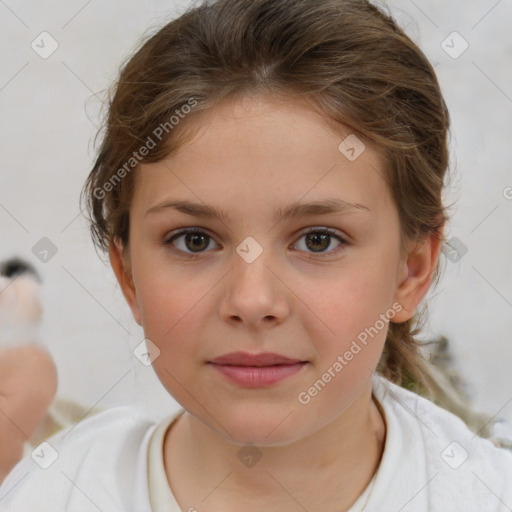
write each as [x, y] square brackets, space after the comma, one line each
[415, 274]
[124, 277]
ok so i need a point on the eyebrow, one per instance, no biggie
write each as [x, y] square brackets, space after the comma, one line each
[295, 209]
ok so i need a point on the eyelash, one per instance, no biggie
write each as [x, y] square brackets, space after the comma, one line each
[327, 231]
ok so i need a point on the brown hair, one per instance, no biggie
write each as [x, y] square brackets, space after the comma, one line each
[347, 57]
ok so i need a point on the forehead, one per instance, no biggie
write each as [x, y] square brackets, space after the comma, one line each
[259, 150]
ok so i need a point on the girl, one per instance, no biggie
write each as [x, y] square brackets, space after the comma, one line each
[269, 192]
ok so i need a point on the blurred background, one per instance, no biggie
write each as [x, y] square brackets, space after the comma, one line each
[58, 58]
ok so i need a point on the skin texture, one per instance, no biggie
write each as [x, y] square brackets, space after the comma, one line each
[297, 298]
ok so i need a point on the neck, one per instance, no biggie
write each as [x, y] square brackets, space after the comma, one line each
[325, 471]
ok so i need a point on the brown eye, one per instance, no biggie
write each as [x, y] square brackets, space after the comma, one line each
[191, 241]
[320, 240]
[195, 241]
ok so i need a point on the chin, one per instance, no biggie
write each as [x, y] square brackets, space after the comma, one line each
[265, 430]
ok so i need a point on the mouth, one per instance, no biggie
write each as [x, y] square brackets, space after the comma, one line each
[256, 370]
[257, 360]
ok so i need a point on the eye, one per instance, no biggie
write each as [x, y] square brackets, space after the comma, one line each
[196, 241]
[193, 239]
[319, 239]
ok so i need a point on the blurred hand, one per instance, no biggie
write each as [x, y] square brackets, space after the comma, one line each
[28, 385]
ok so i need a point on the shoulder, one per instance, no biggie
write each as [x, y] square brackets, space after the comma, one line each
[459, 462]
[98, 459]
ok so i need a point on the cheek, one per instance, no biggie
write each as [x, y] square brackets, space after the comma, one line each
[355, 314]
[347, 320]
[169, 307]
[348, 303]
[172, 318]
[166, 294]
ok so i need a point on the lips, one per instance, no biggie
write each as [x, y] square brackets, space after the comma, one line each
[256, 370]
[247, 359]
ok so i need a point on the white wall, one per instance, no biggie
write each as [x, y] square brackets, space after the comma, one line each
[49, 116]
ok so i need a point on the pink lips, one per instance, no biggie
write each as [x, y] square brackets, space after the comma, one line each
[256, 370]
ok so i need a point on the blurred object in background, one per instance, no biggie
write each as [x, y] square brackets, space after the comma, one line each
[20, 305]
[451, 393]
[29, 409]
[28, 376]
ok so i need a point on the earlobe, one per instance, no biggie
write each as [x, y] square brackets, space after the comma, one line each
[124, 277]
[416, 276]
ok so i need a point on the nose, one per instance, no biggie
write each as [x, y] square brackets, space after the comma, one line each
[255, 296]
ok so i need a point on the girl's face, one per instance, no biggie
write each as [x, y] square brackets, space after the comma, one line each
[262, 275]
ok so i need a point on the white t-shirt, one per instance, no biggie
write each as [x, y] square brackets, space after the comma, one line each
[113, 462]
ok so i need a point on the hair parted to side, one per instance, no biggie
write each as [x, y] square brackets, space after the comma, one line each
[348, 58]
